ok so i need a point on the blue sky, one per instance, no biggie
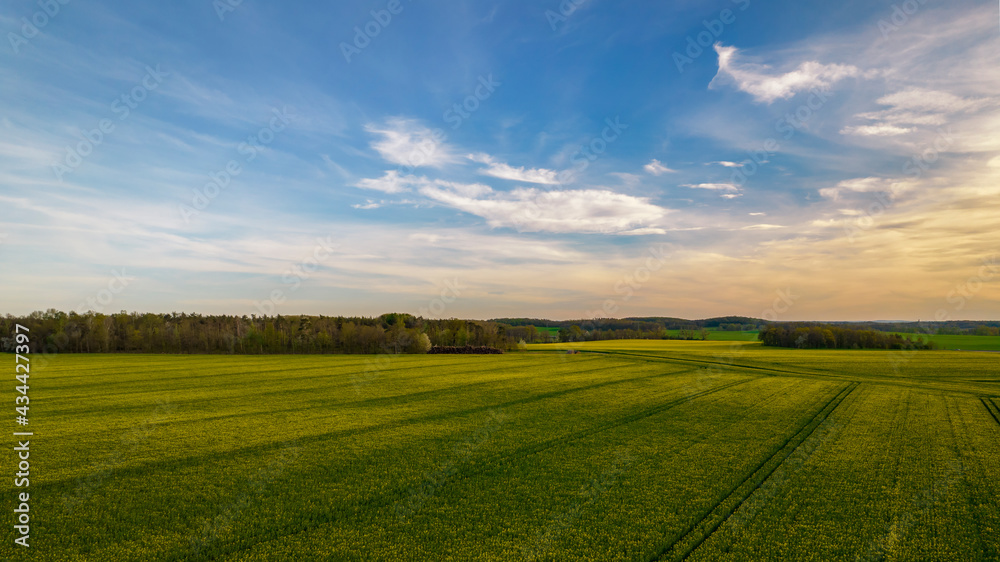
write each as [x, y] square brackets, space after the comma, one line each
[832, 160]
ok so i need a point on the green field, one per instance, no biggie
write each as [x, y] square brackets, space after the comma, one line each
[965, 343]
[633, 450]
[721, 335]
[713, 334]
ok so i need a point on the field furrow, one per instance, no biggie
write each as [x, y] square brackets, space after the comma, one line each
[682, 545]
[648, 450]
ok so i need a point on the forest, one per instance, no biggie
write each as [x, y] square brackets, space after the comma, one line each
[59, 332]
[54, 331]
[827, 336]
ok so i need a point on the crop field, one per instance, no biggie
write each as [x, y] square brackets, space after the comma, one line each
[631, 450]
[965, 343]
[722, 335]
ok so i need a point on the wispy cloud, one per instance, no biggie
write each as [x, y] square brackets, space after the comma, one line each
[732, 191]
[864, 185]
[534, 210]
[881, 130]
[391, 182]
[912, 107]
[762, 227]
[408, 143]
[505, 171]
[766, 85]
[656, 168]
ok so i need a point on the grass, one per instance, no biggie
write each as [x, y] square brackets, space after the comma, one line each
[721, 335]
[965, 343]
[632, 450]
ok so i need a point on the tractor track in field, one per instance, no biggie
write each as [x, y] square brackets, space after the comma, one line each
[761, 474]
[800, 374]
[667, 359]
[993, 410]
[539, 447]
[193, 460]
[399, 494]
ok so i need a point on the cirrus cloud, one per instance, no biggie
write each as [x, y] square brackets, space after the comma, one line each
[534, 210]
[507, 172]
[408, 143]
[766, 86]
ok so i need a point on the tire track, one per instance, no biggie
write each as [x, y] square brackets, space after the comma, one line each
[687, 361]
[263, 448]
[990, 410]
[760, 474]
[386, 499]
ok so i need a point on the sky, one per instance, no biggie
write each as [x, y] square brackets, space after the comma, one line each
[564, 160]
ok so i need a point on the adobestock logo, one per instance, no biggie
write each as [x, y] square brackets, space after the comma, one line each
[592, 150]
[696, 44]
[365, 34]
[32, 28]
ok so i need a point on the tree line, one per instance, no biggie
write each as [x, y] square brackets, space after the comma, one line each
[54, 331]
[132, 332]
[826, 336]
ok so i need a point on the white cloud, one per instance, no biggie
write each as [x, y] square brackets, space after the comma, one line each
[727, 164]
[881, 130]
[391, 182]
[368, 205]
[505, 171]
[913, 106]
[919, 99]
[534, 210]
[766, 86]
[762, 227]
[716, 186]
[656, 168]
[408, 143]
[732, 190]
[629, 180]
[864, 185]
[335, 166]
